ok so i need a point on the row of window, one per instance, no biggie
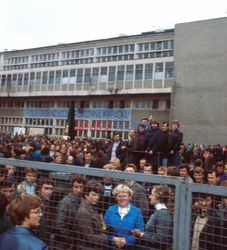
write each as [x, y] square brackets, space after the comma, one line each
[16, 60]
[167, 53]
[45, 57]
[11, 120]
[21, 66]
[151, 104]
[110, 53]
[138, 104]
[92, 75]
[38, 122]
[159, 45]
[120, 49]
[11, 104]
[100, 59]
[34, 58]
[78, 53]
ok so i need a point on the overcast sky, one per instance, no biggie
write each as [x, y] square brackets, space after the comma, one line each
[35, 23]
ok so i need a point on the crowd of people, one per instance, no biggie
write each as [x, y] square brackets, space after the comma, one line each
[106, 213]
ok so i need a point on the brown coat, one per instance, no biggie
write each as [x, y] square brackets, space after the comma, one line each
[89, 229]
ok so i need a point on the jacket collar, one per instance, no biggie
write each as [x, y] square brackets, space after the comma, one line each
[21, 229]
[160, 206]
[129, 212]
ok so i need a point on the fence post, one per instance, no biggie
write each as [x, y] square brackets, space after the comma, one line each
[188, 215]
[181, 216]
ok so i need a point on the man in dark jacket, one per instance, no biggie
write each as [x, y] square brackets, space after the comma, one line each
[88, 162]
[66, 214]
[116, 149]
[158, 147]
[45, 231]
[205, 226]
[131, 148]
[175, 139]
[142, 139]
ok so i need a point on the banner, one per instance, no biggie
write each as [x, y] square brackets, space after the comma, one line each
[104, 114]
[36, 131]
[85, 114]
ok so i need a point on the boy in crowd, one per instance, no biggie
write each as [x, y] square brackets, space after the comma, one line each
[212, 178]
[45, 188]
[90, 233]
[147, 185]
[185, 172]
[28, 186]
[140, 196]
[8, 189]
[142, 163]
[213, 181]
[199, 175]
[66, 213]
[221, 175]
[162, 170]
[147, 169]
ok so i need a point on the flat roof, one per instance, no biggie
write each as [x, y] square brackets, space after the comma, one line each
[62, 45]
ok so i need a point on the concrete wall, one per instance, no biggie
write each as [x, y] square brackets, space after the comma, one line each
[199, 99]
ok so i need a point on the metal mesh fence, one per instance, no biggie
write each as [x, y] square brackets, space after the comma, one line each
[101, 209]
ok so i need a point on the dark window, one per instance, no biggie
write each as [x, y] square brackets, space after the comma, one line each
[51, 77]
[122, 104]
[58, 76]
[20, 79]
[155, 104]
[112, 70]
[26, 79]
[44, 78]
[38, 78]
[169, 69]
[158, 45]
[139, 72]
[82, 104]
[168, 104]
[110, 104]
[129, 73]
[72, 73]
[87, 75]
[148, 71]
[120, 73]
[79, 76]
[95, 75]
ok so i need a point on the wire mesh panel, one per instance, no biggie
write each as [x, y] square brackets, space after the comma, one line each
[89, 208]
[208, 226]
[92, 208]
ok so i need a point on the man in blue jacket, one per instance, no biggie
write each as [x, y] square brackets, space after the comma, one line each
[25, 212]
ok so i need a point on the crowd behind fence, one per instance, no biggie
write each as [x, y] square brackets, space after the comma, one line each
[148, 192]
[90, 208]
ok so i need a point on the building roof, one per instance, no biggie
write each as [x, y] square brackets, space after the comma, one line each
[63, 45]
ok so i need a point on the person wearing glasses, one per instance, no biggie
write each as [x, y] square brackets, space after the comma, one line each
[25, 213]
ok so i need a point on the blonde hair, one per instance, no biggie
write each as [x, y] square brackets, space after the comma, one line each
[117, 163]
[108, 166]
[121, 188]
